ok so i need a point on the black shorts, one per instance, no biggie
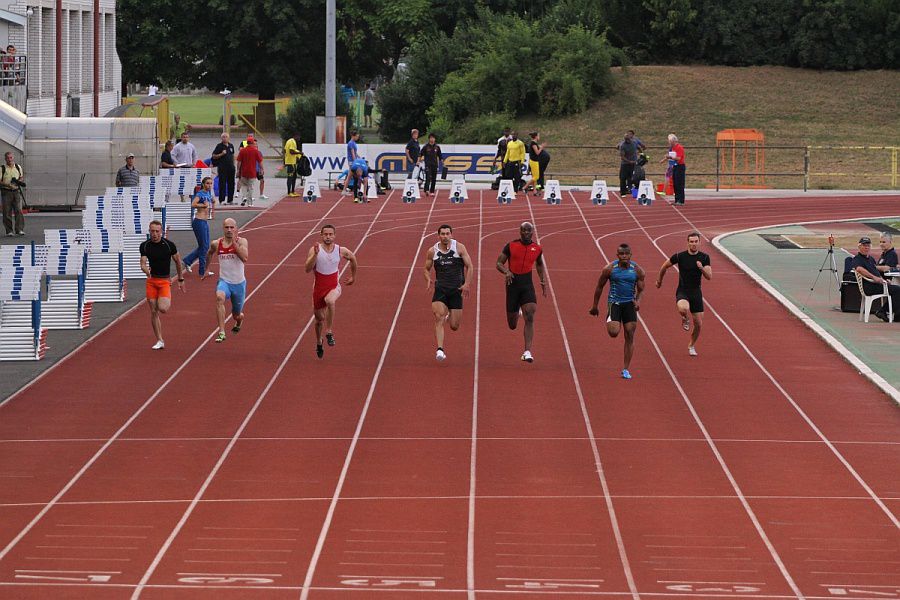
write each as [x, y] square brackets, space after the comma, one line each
[368, 110]
[520, 292]
[451, 298]
[694, 298]
[290, 170]
[622, 312]
[259, 176]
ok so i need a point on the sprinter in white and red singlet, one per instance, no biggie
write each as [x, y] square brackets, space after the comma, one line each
[233, 252]
[325, 258]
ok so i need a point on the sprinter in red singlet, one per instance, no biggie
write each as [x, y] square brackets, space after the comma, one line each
[325, 258]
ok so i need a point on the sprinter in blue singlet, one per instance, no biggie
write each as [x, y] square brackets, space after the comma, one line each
[626, 284]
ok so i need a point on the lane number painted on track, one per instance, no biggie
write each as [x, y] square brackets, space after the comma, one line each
[390, 582]
[68, 577]
[881, 591]
[551, 585]
[225, 580]
[716, 589]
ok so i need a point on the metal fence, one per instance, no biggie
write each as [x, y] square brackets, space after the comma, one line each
[721, 167]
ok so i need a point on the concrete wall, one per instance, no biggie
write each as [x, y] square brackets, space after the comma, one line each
[58, 151]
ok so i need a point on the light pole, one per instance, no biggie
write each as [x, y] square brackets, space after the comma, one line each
[226, 121]
[330, 76]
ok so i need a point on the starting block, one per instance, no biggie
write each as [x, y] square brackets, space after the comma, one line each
[372, 190]
[311, 192]
[410, 190]
[646, 195]
[506, 192]
[599, 192]
[458, 192]
[552, 193]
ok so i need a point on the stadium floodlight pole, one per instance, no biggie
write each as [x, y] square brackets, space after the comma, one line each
[330, 105]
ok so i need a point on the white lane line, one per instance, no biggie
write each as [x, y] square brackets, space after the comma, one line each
[613, 519]
[819, 433]
[237, 434]
[75, 478]
[397, 531]
[776, 557]
[99, 332]
[320, 543]
[470, 533]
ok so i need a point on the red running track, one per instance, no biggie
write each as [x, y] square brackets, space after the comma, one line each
[764, 468]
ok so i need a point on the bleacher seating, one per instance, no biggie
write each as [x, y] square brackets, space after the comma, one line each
[21, 334]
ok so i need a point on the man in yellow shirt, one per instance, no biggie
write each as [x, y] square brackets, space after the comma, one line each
[512, 162]
[291, 155]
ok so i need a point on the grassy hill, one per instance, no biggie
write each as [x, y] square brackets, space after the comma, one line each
[792, 107]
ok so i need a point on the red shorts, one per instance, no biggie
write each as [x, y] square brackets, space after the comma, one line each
[158, 287]
[324, 285]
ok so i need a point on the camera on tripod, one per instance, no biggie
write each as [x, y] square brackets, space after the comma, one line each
[831, 240]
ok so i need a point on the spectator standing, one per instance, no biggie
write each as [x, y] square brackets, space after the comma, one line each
[369, 103]
[165, 160]
[184, 152]
[128, 176]
[177, 128]
[538, 159]
[628, 154]
[637, 141]
[352, 155]
[513, 159]
[152, 90]
[887, 262]
[11, 181]
[676, 153]
[11, 70]
[431, 157]
[502, 141]
[412, 152]
[291, 154]
[223, 159]
[250, 168]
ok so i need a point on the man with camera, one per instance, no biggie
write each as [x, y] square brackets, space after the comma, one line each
[864, 264]
[11, 183]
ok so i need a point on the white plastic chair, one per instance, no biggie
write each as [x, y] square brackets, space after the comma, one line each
[866, 305]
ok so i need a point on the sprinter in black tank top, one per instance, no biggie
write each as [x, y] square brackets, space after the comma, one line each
[453, 274]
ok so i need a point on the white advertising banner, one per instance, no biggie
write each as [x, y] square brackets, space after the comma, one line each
[470, 160]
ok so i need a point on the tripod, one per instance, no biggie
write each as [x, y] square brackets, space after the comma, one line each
[828, 264]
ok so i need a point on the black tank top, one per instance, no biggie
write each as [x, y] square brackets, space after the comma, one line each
[448, 267]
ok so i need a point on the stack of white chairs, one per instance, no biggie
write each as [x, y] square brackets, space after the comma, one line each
[104, 279]
[21, 335]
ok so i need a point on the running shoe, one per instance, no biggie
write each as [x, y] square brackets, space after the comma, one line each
[686, 323]
[159, 345]
[320, 351]
[439, 355]
[626, 374]
[692, 351]
[263, 198]
[527, 357]
[329, 337]
[187, 268]
[220, 338]
[237, 324]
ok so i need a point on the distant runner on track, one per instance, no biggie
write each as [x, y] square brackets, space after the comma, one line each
[692, 265]
[522, 255]
[626, 284]
[233, 252]
[325, 258]
[453, 274]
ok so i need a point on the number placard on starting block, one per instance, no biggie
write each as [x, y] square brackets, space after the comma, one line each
[458, 192]
[645, 192]
[552, 193]
[311, 191]
[372, 192]
[599, 193]
[410, 190]
[506, 192]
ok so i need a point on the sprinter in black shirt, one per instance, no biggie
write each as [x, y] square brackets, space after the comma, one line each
[692, 265]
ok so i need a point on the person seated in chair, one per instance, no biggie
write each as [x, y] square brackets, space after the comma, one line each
[864, 264]
[887, 262]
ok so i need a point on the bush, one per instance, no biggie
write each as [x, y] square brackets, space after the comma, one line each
[300, 116]
[562, 94]
[481, 129]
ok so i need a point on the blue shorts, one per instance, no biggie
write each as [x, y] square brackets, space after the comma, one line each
[236, 292]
